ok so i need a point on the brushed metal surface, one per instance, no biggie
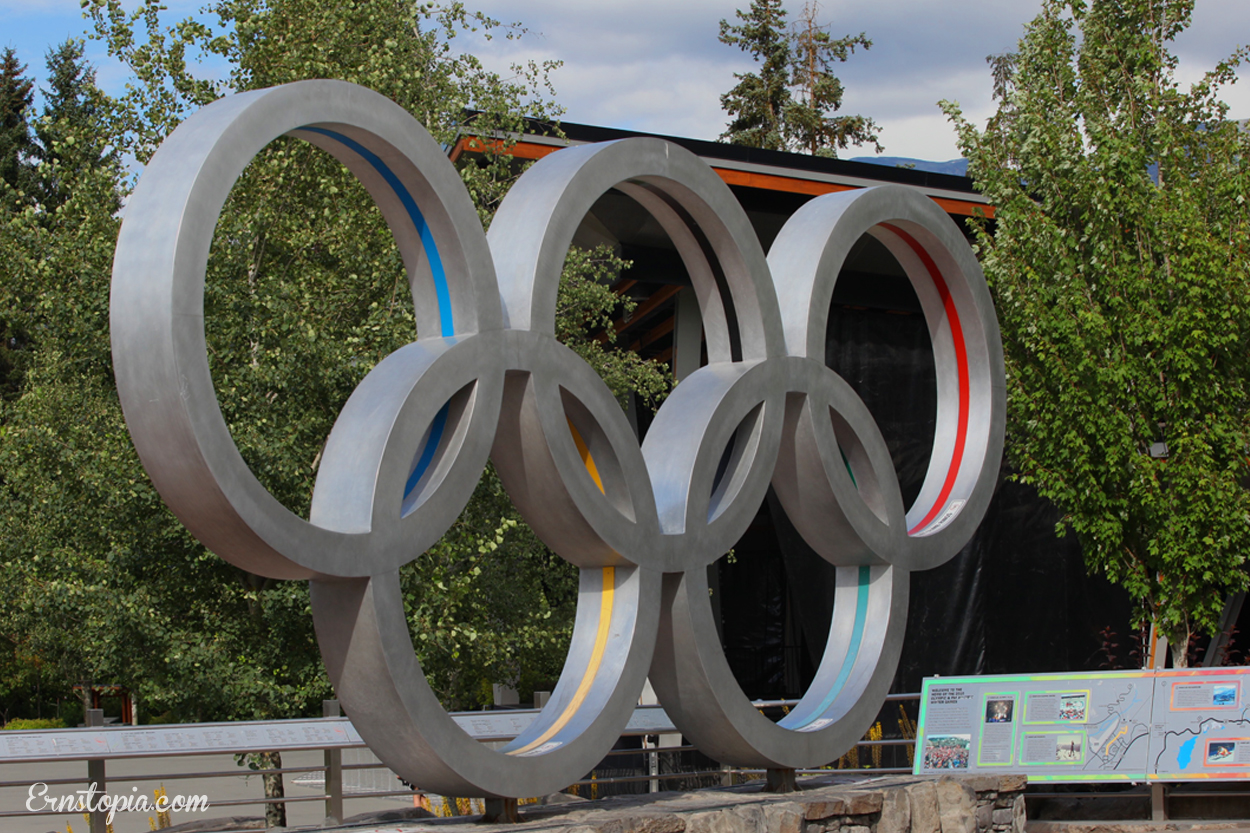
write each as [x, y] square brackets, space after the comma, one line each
[485, 377]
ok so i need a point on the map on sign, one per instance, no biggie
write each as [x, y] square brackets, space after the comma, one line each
[1201, 726]
[1051, 727]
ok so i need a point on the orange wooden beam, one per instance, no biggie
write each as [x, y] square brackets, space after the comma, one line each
[746, 179]
[654, 334]
[519, 150]
[642, 310]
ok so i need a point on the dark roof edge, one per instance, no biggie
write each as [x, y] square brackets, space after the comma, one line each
[575, 132]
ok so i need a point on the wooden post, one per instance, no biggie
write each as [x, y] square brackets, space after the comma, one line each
[95, 773]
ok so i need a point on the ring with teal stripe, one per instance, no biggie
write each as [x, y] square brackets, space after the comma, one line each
[848, 662]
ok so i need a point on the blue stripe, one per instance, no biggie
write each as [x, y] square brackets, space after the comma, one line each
[852, 651]
[427, 453]
[446, 324]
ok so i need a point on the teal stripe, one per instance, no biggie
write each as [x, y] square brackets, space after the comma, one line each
[852, 651]
[847, 463]
[446, 324]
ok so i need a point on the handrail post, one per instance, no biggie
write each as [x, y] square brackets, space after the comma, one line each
[334, 770]
[95, 775]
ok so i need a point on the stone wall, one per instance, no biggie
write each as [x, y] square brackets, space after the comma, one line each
[969, 804]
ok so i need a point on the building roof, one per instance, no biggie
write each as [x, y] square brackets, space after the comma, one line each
[757, 168]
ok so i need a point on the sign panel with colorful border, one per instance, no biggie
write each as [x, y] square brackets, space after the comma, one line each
[1201, 729]
[1096, 726]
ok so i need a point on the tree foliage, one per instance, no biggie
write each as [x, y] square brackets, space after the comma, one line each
[1120, 270]
[305, 293]
[789, 104]
[17, 93]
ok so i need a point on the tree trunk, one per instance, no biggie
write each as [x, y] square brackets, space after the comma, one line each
[1179, 643]
[275, 814]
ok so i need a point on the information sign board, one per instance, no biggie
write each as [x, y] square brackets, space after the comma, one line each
[1201, 729]
[1097, 726]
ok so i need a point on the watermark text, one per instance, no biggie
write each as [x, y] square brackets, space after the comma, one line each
[94, 800]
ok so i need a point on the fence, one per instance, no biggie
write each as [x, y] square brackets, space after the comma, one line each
[650, 753]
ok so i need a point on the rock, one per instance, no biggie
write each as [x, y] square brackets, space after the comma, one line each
[857, 828]
[982, 783]
[656, 823]
[956, 806]
[925, 813]
[984, 817]
[223, 824]
[1013, 783]
[1018, 817]
[716, 821]
[863, 803]
[817, 810]
[783, 818]
[895, 813]
[848, 804]
[1004, 816]
[383, 816]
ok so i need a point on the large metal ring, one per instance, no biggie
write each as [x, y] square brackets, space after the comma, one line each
[486, 376]
[836, 482]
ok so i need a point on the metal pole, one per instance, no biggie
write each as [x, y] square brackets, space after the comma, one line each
[653, 762]
[95, 774]
[334, 770]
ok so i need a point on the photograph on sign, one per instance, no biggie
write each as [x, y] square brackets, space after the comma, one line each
[1222, 753]
[1069, 748]
[999, 710]
[1072, 708]
[947, 751]
[1056, 707]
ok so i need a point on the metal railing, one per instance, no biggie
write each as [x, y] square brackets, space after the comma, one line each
[651, 725]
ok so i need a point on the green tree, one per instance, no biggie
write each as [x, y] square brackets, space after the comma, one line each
[16, 95]
[73, 133]
[305, 293]
[1119, 266]
[789, 104]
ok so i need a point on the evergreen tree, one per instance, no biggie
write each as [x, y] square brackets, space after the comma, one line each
[789, 104]
[16, 95]
[1120, 273]
[71, 135]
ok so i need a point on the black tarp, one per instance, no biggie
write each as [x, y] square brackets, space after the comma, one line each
[1015, 599]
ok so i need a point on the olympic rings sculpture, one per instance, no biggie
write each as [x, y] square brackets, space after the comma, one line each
[486, 378]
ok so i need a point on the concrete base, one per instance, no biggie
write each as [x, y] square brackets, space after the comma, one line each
[824, 804]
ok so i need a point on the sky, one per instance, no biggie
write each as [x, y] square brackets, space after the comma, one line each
[657, 65]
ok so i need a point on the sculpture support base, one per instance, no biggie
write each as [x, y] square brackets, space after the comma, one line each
[501, 811]
[780, 781]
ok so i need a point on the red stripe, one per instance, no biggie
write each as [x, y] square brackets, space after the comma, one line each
[961, 365]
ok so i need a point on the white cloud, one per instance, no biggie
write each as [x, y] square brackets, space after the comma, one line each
[657, 66]
[648, 65]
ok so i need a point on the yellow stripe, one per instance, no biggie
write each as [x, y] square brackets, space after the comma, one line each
[587, 460]
[592, 668]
